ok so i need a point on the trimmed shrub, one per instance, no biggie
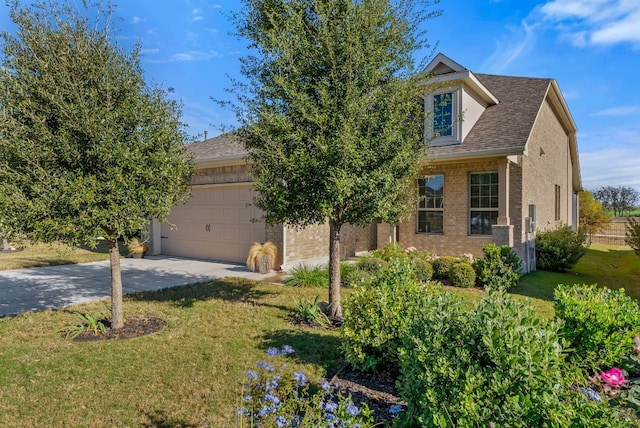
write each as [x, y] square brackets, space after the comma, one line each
[442, 266]
[390, 251]
[499, 268]
[376, 315]
[423, 269]
[560, 249]
[462, 274]
[371, 264]
[494, 366]
[600, 324]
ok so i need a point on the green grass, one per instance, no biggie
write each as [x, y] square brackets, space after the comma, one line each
[188, 374]
[56, 254]
[609, 266]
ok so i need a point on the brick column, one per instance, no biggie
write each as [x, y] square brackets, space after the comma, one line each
[503, 193]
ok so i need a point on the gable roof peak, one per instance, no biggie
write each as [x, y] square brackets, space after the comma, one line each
[442, 64]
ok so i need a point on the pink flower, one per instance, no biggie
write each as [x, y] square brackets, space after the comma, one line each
[613, 377]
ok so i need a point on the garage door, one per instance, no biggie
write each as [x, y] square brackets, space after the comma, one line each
[216, 223]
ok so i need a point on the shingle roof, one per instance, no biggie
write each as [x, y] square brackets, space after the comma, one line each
[506, 125]
[222, 146]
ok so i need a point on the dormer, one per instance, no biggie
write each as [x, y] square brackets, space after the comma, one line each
[454, 100]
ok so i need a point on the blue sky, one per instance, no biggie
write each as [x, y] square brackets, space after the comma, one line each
[591, 47]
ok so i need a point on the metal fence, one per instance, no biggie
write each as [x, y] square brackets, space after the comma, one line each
[611, 234]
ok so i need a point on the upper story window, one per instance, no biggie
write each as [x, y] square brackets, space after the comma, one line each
[430, 204]
[444, 124]
[483, 191]
[443, 115]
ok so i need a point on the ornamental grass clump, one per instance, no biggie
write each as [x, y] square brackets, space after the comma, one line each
[278, 397]
[262, 257]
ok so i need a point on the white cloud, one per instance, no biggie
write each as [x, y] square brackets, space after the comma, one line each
[618, 111]
[595, 22]
[136, 20]
[197, 18]
[510, 48]
[603, 164]
[187, 56]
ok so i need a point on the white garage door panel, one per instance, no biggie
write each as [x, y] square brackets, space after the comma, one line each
[231, 233]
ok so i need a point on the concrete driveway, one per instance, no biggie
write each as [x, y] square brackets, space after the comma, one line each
[36, 289]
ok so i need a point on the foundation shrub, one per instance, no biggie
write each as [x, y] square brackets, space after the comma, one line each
[370, 264]
[423, 269]
[463, 275]
[390, 251]
[376, 315]
[497, 365]
[600, 324]
[442, 266]
[558, 250]
[499, 267]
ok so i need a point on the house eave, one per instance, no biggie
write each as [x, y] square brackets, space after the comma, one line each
[220, 161]
[483, 154]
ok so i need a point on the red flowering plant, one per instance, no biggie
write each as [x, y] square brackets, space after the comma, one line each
[622, 386]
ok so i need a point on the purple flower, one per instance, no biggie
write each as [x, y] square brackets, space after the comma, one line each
[281, 421]
[273, 351]
[331, 407]
[352, 409]
[326, 385]
[272, 397]
[300, 378]
[266, 366]
[591, 394]
[248, 398]
[286, 349]
[252, 375]
[243, 411]
[395, 409]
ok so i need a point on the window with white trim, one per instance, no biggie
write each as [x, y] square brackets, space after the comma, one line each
[430, 204]
[443, 115]
[483, 212]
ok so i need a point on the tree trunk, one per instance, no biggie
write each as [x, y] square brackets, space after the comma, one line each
[5, 244]
[334, 270]
[117, 318]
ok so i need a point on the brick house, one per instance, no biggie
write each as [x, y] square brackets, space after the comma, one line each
[503, 163]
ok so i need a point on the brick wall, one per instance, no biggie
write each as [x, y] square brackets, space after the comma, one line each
[548, 164]
[455, 240]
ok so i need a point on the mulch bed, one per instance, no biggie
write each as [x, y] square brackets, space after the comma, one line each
[377, 390]
[134, 326]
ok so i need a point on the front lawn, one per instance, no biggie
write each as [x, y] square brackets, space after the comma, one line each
[187, 375]
[38, 255]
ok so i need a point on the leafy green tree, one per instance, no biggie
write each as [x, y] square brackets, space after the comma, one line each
[632, 235]
[87, 147]
[330, 111]
[593, 216]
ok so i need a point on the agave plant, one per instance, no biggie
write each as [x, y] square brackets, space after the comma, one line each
[262, 257]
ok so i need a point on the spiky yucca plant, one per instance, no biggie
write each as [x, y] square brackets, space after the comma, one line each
[262, 256]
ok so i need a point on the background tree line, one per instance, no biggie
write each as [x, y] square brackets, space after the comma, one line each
[619, 200]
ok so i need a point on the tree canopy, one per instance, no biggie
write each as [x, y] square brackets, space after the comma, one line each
[618, 199]
[331, 111]
[87, 148]
[593, 216]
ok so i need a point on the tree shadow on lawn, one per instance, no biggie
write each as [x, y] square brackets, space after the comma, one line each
[158, 419]
[310, 347]
[228, 289]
